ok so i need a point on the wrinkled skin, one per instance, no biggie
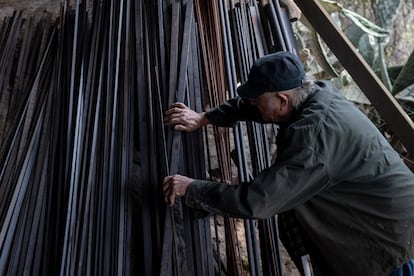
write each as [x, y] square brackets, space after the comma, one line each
[173, 186]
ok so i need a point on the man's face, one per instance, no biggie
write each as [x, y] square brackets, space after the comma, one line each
[273, 106]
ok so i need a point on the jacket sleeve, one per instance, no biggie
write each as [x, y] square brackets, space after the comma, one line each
[283, 186]
[232, 111]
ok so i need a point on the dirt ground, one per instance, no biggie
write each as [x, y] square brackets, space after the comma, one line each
[7, 7]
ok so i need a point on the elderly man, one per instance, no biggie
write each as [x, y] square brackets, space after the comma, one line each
[351, 193]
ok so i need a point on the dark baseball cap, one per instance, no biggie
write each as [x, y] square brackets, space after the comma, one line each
[279, 71]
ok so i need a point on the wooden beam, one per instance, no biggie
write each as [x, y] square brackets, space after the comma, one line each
[364, 76]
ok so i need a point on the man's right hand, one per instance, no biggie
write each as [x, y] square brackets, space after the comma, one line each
[183, 118]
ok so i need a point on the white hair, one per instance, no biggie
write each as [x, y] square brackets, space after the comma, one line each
[300, 94]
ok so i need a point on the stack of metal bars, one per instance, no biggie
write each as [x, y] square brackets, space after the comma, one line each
[95, 97]
[83, 145]
[208, 19]
[65, 155]
[251, 32]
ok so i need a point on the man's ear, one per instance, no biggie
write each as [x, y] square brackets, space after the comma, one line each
[284, 100]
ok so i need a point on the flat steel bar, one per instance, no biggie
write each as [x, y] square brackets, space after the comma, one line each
[38, 197]
[21, 67]
[283, 26]
[147, 262]
[256, 30]
[9, 227]
[275, 27]
[75, 155]
[113, 101]
[178, 242]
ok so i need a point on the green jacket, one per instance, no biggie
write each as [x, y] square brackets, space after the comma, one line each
[351, 192]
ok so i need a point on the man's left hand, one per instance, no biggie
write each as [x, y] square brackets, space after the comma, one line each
[175, 185]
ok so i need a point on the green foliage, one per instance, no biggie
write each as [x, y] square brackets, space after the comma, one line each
[365, 25]
[406, 76]
[369, 38]
[407, 95]
[386, 12]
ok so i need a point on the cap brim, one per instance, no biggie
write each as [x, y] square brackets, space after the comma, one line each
[248, 90]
